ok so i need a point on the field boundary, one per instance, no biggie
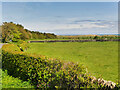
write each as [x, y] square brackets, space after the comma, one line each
[99, 40]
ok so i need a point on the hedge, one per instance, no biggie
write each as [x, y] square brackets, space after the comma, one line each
[44, 72]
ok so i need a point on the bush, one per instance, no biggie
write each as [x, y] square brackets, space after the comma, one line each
[11, 47]
[44, 72]
[22, 45]
[11, 82]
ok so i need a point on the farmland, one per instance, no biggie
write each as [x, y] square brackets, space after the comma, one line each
[101, 58]
[58, 62]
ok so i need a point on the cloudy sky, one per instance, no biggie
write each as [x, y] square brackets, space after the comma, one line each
[64, 18]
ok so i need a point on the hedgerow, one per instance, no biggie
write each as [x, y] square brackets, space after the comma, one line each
[22, 45]
[11, 82]
[44, 72]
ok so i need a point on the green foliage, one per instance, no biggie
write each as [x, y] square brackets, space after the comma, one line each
[101, 37]
[13, 47]
[10, 32]
[11, 82]
[15, 32]
[45, 72]
[96, 37]
[22, 45]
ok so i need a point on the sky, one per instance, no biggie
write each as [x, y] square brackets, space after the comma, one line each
[64, 18]
[0, 13]
[60, 0]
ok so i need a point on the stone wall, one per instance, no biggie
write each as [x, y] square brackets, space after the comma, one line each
[72, 40]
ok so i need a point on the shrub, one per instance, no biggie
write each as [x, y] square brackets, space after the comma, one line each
[22, 45]
[12, 48]
[11, 82]
[44, 72]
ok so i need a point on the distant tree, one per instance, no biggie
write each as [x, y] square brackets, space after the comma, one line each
[14, 32]
[96, 37]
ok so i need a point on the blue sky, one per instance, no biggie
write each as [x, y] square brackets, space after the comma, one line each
[59, 0]
[64, 18]
[0, 13]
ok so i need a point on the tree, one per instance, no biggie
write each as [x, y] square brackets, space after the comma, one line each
[14, 32]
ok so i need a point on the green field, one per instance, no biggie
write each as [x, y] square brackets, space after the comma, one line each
[101, 58]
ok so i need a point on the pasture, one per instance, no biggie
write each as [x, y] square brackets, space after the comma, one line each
[101, 58]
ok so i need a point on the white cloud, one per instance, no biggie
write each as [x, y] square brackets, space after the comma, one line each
[70, 26]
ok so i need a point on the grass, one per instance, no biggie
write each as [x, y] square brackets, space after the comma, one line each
[101, 58]
[11, 82]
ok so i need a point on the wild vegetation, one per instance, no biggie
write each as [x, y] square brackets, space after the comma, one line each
[7, 81]
[12, 82]
[15, 32]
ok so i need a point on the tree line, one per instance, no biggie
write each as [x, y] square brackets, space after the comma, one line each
[100, 37]
[15, 32]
